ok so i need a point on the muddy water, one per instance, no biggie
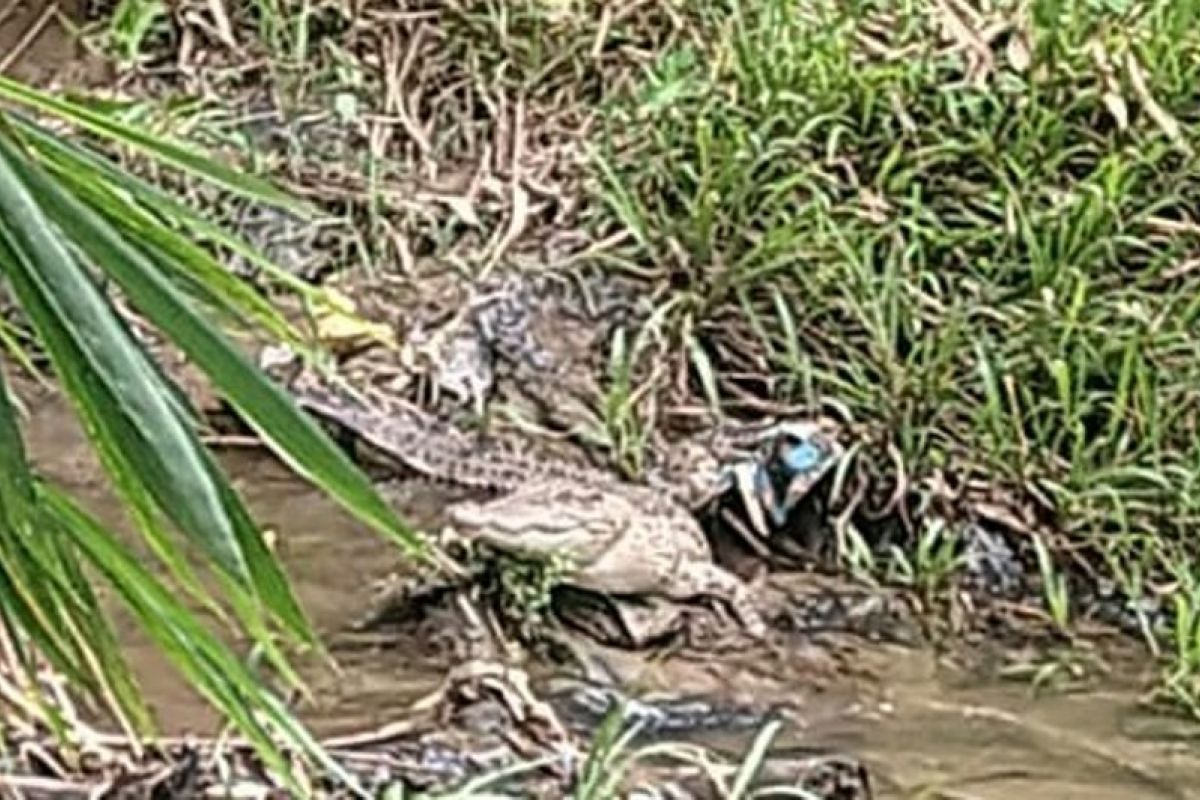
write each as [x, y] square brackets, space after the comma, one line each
[935, 739]
[923, 729]
[334, 563]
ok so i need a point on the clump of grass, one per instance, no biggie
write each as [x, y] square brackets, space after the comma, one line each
[935, 558]
[526, 588]
[982, 249]
[973, 233]
[132, 23]
[613, 757]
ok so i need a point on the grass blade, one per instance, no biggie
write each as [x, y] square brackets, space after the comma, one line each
[267, 407]
[130, 410]
[166, 152]
[67, 159]
[203, 659]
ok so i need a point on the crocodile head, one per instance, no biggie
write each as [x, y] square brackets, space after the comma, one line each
[544, 518]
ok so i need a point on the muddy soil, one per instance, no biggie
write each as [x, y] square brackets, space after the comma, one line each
[37, 45]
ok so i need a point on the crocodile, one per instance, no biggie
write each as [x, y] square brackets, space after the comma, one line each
[694, 471]
[404, 432]
[618, 537]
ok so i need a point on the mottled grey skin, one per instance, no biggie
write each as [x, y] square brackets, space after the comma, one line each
[430, 446]
[628, 541]
[620, 537]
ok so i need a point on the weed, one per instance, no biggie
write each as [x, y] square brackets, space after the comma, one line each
[1181, 680]
[612, 756]
[982, 251]
[1054, 586]
[937, 556]
[133, 21]
[621, 423]
[526, 587]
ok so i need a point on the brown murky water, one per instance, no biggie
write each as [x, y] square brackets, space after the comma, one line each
[924, 729]
[333, 560]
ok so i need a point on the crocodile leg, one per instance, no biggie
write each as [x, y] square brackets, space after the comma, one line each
[707, 579]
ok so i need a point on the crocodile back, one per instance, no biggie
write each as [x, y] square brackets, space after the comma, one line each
[424, 443]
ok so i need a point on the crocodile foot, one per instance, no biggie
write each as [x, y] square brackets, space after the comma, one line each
[701, 578]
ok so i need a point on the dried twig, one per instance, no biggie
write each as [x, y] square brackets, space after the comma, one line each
[29, 37]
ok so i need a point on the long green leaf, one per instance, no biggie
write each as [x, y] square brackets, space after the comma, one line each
[16, 483]
[70, 313]
[9, 341]
[199, 655]
[174, 154]
[99, 181]
[18, 588]
[129, 451]
[268, 408]
[107, 432]
[111, 376]
[68, 157]
[189, 266]
[96, 640]
[42, 587]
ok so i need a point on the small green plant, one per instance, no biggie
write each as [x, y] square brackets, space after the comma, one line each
[854, 552]
[131, 24]
[1181, 680]
[601, 772]
[612, 756]
[526, 585]
[1060, 669]
[1054, 587]
[273, 28]
[624, 431]
[937, 556]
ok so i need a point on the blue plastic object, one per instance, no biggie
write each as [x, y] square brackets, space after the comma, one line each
[804, 457]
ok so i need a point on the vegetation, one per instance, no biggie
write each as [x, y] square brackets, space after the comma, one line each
[973, 237]
[970, 234]
[66, 216]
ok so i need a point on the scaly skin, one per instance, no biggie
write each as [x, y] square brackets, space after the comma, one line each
[628, 541]
[622, 538]
[427, 445]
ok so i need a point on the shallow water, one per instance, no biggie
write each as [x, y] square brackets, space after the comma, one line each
[923, 728]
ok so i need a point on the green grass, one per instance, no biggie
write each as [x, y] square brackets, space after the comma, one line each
[995, 278]
[991, 273]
